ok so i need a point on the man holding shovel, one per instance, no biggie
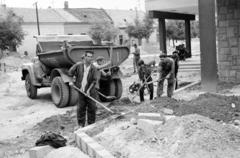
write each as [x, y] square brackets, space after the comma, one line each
[86, 77]
[166, 71]
[144, 73]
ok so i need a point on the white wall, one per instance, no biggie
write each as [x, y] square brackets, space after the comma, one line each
[76, 28]
[29, 43]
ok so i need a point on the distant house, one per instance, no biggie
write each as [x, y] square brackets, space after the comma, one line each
[55, 21]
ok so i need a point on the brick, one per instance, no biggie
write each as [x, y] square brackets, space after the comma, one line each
[232, 73]
[152, 116]
[167, 111]
[66, 152]
[233, 42]
[223, 23]
[149, 126]
[230, 32]
[234, 51]
[222, 37]
[94, 148]
[224, 44]
[222, 30]
[230, 16]
[223, 10]
[224, 50]
[237, 14]
[233, 23]
[40, 152]
[104, 154]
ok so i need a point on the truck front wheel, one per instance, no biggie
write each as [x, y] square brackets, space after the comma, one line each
[59, 92]
[30, 88]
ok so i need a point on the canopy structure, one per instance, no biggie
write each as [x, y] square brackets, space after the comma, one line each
[186, 10]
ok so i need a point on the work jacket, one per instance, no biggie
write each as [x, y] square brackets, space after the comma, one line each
[77, 70]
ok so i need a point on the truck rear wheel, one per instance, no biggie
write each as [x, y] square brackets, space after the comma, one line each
[107, 88]
[73, 97]
[30, 88]
[59, 92]
[118, 91]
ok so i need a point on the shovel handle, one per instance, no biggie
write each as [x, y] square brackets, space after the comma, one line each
[92, 99]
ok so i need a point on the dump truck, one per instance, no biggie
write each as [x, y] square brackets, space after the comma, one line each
[56, 54]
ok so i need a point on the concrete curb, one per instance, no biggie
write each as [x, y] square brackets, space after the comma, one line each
[188, 86]
[90, 147]
[87, 144]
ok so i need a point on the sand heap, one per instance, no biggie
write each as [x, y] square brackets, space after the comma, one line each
[190, 136]
[195, 136]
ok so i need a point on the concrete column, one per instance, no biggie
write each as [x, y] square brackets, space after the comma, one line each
[208, 44]
[188, 36]
[162, 35]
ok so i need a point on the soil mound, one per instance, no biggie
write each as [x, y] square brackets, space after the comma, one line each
[214, 106]
[195, 136]
[190, 136]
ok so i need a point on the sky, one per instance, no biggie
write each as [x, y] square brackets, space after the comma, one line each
[106, 4]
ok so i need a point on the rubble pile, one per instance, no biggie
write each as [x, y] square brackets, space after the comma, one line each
[189, 136]
[214, 106]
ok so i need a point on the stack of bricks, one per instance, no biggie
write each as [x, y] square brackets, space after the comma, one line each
[228, 31]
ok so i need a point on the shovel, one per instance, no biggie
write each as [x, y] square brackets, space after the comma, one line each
[93, 99]
[107, 97]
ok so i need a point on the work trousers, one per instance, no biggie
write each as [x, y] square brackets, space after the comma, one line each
[135, 63]
[170, 85]
[86, 105]
[149, 87]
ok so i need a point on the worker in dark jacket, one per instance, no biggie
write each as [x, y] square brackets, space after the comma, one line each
[176, 62]
[144, 73]
[85, 73]
[166, 71]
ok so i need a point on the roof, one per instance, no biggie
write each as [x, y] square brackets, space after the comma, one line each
[45, 15]
[89, 15]
[67, 16]
[123, 17]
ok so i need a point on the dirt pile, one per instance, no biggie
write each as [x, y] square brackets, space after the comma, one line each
[195, 136]
[214, 106]
[190, 136]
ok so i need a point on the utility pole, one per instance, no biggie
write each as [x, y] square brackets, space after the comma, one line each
[37, 18]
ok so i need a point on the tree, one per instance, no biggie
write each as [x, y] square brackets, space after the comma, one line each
[11, 33]
[148, 24]
[103, 31]
[176, 30]
[140, 29]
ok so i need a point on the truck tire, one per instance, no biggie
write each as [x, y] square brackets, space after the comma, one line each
[119, 88]
[30, 88]
[108, 89]
[73, 96]
[59, 92]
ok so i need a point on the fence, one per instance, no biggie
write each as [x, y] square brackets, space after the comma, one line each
[7, 68]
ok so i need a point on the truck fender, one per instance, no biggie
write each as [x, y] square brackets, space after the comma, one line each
[28, 68]
[63, 73]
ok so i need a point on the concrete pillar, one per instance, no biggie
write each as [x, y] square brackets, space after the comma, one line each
[188, 36]
[208, 45]
[162, 35]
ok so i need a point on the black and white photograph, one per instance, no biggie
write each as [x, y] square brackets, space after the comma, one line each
[119, 78]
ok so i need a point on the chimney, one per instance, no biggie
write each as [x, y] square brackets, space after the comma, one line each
[65, 4]
[4, 6]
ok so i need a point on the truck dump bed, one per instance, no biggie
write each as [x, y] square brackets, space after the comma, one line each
[51, 50]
